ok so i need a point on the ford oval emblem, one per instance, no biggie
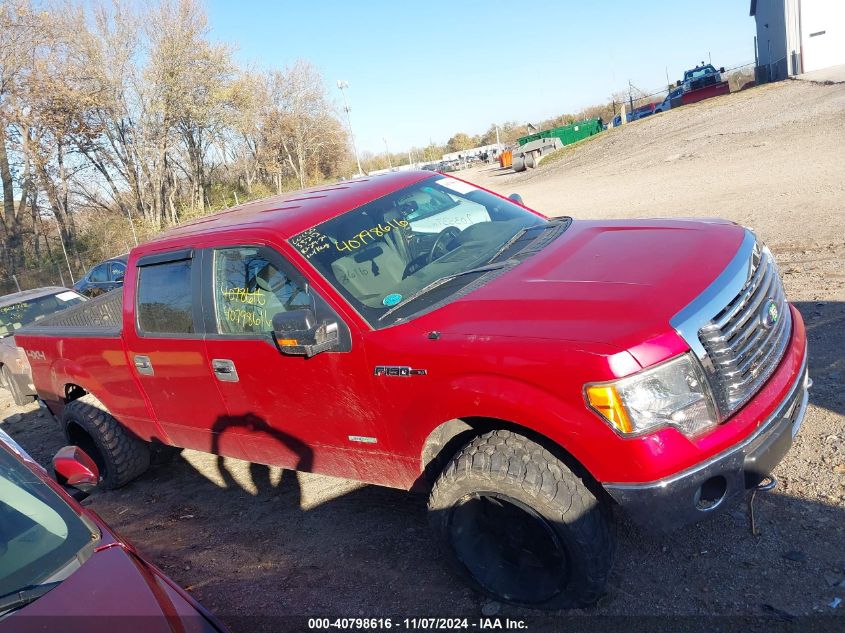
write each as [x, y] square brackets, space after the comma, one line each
[770, 314]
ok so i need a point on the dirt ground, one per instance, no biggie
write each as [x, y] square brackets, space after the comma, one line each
[247, 539]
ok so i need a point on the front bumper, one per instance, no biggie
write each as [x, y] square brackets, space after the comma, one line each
[712, 485]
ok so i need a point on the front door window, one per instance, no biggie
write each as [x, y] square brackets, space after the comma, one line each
[249, 290]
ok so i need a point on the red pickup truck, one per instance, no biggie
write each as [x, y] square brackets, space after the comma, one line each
[415, 331]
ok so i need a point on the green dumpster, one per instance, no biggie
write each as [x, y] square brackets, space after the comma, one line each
[567, 133]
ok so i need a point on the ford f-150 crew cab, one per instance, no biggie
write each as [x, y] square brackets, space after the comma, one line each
[415, 331]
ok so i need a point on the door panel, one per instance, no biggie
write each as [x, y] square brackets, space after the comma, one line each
[167, 352]
[311, 414]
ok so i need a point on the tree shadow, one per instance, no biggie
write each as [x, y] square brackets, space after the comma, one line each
[259, 474]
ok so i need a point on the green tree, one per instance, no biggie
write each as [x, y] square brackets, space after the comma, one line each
[460, 142]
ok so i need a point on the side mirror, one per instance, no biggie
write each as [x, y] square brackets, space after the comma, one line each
[293, 322]
[297, 333]
[722, 69]
[516, 198]
[678, 84]
[74, 469]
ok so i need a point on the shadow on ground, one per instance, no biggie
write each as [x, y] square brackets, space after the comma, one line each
[825, 323]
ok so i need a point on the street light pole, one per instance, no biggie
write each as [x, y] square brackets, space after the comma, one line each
[342, 85]
[387, 149]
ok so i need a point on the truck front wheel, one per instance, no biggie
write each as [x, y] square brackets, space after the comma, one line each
[120, 456]
[520, 526]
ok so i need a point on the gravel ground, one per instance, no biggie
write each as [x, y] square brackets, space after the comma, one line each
[247, 539]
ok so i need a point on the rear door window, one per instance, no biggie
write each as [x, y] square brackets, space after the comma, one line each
[164, 303]
[99, 274]
[117, 271]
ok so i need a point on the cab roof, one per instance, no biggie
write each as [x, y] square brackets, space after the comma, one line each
[294, 211]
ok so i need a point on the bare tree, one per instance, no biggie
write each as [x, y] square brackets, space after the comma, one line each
[19, 37]
[118, 117]
[300, 127]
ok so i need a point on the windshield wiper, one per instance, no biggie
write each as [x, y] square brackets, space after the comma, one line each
[521, 232]
[442, 280]
[24, 596]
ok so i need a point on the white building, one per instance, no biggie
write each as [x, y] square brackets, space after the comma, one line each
[798, 36]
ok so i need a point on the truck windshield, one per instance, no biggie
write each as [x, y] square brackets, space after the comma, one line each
[16, 315]
[697, 73]
[383, 252]
[42, 539]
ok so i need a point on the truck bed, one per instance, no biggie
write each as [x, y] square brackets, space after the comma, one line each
[82, 348]
[100, 317]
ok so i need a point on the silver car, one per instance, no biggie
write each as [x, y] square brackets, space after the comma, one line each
[17, 310]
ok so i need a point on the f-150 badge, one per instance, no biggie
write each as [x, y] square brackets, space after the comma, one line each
[392, 370]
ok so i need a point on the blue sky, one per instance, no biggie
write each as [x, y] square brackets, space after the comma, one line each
[421, 71]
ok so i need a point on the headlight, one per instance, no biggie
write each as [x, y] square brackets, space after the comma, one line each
[672, 394]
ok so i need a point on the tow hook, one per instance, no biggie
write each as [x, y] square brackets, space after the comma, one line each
[768, 483]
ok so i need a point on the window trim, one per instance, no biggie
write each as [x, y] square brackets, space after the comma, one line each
[172, 257]
[323, 310]
[91, 280]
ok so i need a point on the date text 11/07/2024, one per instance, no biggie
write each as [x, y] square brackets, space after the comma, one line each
[417, 624]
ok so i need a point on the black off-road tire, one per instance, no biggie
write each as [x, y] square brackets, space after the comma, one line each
[120, 456]
[509, 470]
[12, 385]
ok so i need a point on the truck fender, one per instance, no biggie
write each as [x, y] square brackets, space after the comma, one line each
[69, 381]
[66, 374]
[480, 402]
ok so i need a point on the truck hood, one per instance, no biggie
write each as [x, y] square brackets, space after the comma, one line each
[615, 283]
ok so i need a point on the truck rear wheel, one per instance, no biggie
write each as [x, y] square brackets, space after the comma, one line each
[120, 456]
[520, 526]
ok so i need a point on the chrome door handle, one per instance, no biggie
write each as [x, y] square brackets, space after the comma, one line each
[224, 369]
[144, 365]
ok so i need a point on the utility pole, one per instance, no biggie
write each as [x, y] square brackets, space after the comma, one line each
[386, 149]
[132, 226]
[342, 85]
[67, 259]
[497, 135]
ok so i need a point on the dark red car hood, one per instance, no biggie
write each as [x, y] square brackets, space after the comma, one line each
[112, 591]
[616, 283]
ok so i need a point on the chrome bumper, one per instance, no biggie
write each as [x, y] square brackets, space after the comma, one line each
[710, 486]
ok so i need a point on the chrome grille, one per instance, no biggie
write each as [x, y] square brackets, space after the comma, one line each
[747, 339]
